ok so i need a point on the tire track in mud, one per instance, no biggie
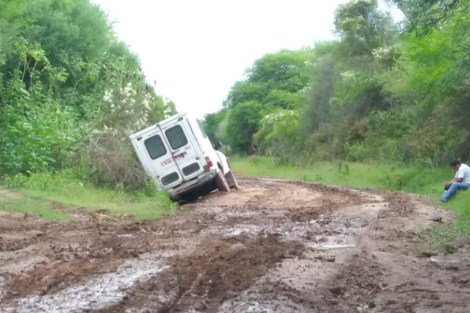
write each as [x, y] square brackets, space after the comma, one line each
[219, 269]
[274, 246]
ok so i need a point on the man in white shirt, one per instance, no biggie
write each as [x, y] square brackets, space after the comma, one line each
[460, 182]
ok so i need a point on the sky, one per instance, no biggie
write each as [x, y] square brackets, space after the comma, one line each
[196, 50]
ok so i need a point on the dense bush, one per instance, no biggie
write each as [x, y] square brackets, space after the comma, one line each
[70, 94]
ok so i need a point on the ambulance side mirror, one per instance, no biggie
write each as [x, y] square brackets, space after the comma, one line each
[218, 145]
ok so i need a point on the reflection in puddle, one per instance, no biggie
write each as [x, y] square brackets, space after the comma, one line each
[98, 293]
[335, 247]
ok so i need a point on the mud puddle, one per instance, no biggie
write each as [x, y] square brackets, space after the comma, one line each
[274, 246]
[97, 293]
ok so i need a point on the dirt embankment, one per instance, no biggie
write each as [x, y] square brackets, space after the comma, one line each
[274, 246]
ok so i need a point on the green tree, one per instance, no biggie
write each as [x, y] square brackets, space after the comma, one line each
[278, 133]
[273, 80]
[71, 92]
[10, 21]
[425, 15]
[285, 70]
[242, 124]
[68, 29]
[212, 124]
[37, 133]
[362, 27]
[317, 107]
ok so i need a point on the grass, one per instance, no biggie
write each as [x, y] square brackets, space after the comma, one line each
[74, 193]
[66, 189]
[31, 207]
[418, 180]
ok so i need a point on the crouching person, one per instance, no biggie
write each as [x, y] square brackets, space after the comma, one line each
[460, 182]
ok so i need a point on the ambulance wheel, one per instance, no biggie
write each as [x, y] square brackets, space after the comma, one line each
[232, 180]
[221, 182]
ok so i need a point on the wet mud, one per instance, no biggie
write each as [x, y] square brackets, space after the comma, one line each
[273, 246]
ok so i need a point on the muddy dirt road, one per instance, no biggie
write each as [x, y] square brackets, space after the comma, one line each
[274, 246]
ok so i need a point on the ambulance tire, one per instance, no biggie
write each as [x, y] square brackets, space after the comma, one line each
[221, 182]
[232, 180]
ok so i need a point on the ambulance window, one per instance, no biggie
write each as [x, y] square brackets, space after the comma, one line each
[203, 131]
[155, 147]
[176, 137]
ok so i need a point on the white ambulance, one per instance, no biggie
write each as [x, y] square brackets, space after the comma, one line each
[178, 155]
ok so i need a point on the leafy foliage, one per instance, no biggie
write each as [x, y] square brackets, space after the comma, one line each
[362, 28]
[213, 124]
[425, 15]
[371, 95]
[278, 132]
[71, 93]
[274, 82]
[242, 124]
